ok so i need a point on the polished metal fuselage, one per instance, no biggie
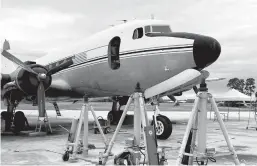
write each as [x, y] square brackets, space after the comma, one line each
[147, 61]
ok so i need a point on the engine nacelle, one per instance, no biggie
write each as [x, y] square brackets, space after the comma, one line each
[12, 93]
[28, 82]
[5, 78]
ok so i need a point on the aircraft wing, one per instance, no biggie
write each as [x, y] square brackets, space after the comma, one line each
[60, 90]
[214, 79]
[188, 85]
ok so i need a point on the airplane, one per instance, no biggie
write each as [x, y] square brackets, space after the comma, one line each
[111, 63]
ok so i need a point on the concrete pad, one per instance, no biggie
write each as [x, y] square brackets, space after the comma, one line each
[37, 133]
[48, 149]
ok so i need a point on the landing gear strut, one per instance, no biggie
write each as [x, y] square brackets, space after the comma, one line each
[9, 116]
[163, 125]
[114, 115]
[12, 97]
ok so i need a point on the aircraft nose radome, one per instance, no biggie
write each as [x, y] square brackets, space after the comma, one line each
[206, 50]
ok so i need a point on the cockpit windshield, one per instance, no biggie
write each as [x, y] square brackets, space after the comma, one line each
[157, 28]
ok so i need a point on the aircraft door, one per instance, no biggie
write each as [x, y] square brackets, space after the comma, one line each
[114, 53]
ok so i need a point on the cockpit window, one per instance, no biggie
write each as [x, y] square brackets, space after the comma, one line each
[138, 33]
[147, 29]
[157, 28]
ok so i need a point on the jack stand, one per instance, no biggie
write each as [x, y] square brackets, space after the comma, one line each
[163, 159]
[198, 120]
[46, 122]
[140, 117]
[74, 143]
[252, 110]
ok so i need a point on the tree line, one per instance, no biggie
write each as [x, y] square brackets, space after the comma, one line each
[244, 86]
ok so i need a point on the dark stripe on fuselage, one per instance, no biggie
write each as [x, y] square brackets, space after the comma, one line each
[143, 50]
[157, 49]
[130, 53]
[121, 55]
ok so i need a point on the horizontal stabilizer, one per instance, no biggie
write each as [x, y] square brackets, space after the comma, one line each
[214, 79]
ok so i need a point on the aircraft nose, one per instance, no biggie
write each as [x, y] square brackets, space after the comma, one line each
[206, 50]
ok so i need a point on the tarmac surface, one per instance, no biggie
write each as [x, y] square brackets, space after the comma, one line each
[48, 150]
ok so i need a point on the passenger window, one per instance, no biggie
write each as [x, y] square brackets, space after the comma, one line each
[138, 33]
[114, 53]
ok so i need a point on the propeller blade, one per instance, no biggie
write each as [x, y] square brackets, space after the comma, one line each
[6, 45]
[58, 68]
[41, 99]
[17, 61]
[195, 89]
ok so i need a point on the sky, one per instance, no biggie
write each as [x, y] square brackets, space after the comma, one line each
[35, 28]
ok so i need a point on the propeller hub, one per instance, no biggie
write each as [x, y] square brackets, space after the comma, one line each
[29, 82]
[42, 76]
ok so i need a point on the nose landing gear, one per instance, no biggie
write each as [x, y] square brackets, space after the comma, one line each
[163, 123]
[163, 127]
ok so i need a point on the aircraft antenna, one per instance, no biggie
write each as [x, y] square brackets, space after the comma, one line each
[124, 21]
[152, 16]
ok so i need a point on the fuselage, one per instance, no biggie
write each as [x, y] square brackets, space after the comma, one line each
[142, 59]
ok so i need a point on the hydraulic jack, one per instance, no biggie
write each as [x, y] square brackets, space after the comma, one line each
[197, 125]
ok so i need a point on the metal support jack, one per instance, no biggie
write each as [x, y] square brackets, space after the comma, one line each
[140, 117]
[197, 125]
[46, 122]
[74, 144]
